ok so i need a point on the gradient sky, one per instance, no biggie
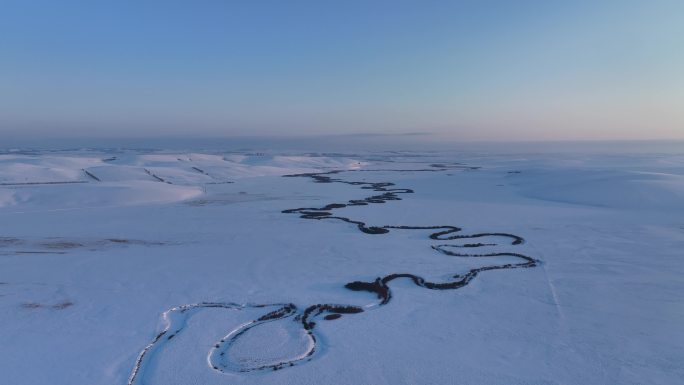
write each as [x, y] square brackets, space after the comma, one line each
[474, 70]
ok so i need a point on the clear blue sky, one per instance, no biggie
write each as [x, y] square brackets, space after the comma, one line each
[475, 69]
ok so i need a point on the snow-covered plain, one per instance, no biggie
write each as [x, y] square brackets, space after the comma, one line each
[158, 267]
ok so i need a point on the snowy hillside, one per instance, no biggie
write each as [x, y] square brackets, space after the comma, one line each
[156, 267]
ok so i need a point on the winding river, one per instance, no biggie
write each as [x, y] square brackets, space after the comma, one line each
[305, 318]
